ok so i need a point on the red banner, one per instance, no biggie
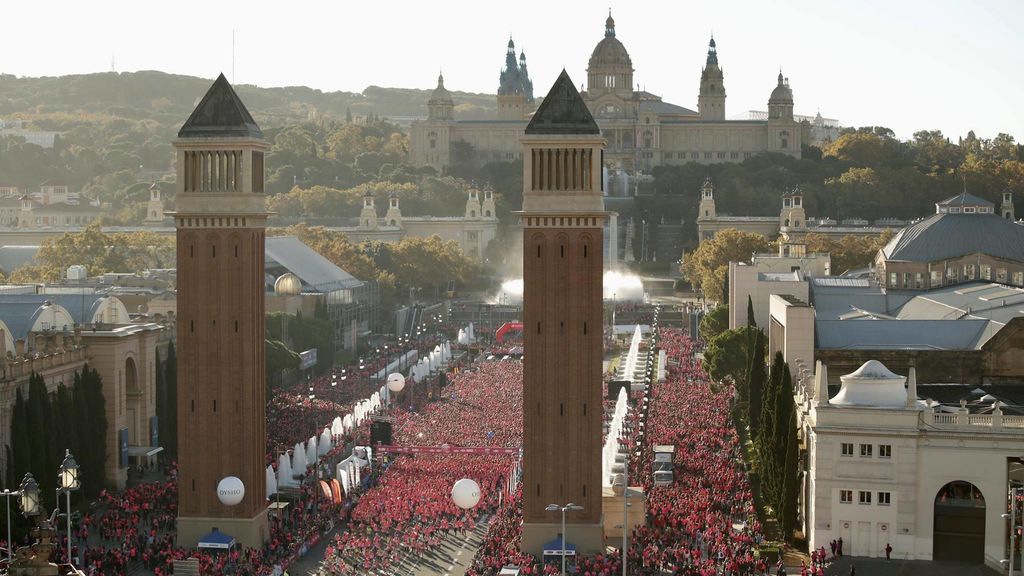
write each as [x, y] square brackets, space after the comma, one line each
[444, 449]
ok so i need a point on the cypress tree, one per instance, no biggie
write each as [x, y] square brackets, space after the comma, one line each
[64, 421]
[83, 448]
[40, 434]
[791, 475]
[770, 462]
[99, 436]
[18, 460]
[750, 313]
[757, 380]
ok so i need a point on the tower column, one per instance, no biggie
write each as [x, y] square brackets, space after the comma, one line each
[563, 219]
[220, 256]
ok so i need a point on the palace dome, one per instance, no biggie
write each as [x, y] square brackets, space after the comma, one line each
[609, 52]
[440, 95]
[782, 93]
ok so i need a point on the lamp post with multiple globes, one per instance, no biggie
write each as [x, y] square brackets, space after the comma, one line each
[33, 560]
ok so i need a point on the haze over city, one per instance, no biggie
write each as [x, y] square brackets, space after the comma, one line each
[910, 66]
[511, 289]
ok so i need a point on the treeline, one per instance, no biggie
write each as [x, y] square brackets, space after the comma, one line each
[412, 264]
[116, 131]
[431, 195]
[764, 411]
[707, 267]
[46, 423]
[866, 173]
[98, 251]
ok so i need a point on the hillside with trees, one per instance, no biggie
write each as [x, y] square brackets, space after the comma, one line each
[116, 131]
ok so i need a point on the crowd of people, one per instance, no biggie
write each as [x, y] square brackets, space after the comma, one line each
[411, 510]
[136, 525]
[703, 524]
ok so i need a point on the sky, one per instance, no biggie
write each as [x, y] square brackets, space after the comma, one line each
[950, 65]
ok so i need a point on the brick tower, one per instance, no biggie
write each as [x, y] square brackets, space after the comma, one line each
[220, 218]
[563, 214]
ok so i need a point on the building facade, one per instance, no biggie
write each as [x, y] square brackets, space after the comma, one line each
[887, 466]
[563, 215]
[642, 131]
[472, 231]
[220, 215]
[792, 224]
[43, 334]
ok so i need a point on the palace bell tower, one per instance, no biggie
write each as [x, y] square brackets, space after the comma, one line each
[220, 218]
[562, 217]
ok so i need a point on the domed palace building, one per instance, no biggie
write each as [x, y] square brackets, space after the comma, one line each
[642, 130]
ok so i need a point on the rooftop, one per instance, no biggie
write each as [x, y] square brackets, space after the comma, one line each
[563, 111]
[946, 236]
[220, 114]
[318, 274]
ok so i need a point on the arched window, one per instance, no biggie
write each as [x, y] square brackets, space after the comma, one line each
[648, 139]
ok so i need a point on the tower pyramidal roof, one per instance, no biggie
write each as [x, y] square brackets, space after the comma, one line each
[563, 111]
[220, 114]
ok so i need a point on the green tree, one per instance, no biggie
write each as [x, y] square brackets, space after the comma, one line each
[757, 381]
[707, 267]
[727, 355]
[279, 360]
[714, 323]
[751, 320]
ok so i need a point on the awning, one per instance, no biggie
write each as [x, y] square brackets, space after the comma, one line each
[144, 451]
[277, 505]
[217, 540]
[554, 548]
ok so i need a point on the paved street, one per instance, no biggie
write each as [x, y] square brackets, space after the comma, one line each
[452, 558]
[880, 567]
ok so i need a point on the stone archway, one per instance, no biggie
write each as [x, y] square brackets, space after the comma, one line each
[137, 429]
[959, 533]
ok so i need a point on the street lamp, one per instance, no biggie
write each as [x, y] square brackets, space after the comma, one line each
[570, 507]
[69, 482]
[8, 494]
[29, 499]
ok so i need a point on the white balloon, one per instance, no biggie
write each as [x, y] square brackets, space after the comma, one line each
[466, 493]
[230, 491]
[396, 382]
